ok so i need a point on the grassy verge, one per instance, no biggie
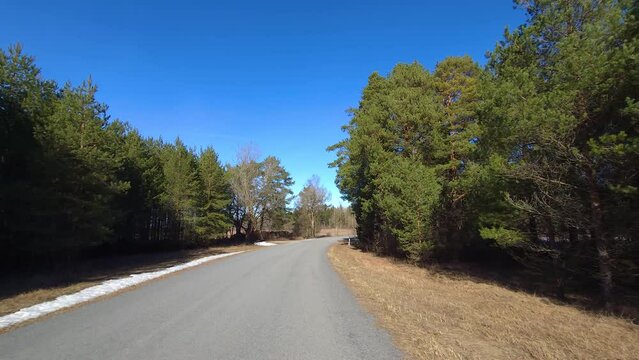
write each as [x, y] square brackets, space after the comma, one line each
[19, 291]
[434, 316]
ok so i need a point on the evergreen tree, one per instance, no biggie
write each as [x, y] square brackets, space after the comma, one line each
[456, 84]
[26, 101]
[141, 205]
[85, 151]
[216, 196]
[182, 189]
[560, 120]
[275, 193]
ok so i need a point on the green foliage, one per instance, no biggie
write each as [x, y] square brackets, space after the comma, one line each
[216, 196]
[182, 186]
[275, 193]
[261, 193]
[404, 165]
[85, 156]
[537, 153]
[408, 196]
[562, 100]
[503, 237]
[73, 181]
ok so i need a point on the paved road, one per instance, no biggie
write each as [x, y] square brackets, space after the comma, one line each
[282, 302]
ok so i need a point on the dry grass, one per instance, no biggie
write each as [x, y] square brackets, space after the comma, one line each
[19, 291]
[335, 232]
[435, 316]
[321, 233]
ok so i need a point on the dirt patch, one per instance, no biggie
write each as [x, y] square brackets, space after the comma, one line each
[20, 291]
[434, 316]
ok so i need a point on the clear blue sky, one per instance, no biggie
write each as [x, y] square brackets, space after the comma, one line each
[278, 74]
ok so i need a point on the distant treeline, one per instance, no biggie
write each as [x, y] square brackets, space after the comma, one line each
[311, 213]
[74, 182]
[535, 155]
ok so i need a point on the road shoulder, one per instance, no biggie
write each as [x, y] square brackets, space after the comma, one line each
[104, 273]
[434, 316]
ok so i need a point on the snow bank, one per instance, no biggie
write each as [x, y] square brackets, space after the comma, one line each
[107, 287]
[264, 243]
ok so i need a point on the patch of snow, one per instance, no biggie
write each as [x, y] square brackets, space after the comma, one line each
[90, 293]
[264, 243]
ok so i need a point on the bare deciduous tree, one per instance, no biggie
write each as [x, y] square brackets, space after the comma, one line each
[261, 190]
[311, 201]
[243, 178]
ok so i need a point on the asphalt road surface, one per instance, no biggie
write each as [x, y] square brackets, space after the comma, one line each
[281, 302]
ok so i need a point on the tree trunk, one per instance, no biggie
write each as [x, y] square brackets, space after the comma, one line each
[453, 232]
[532, 227]
[249, 228]
[557, 261]
[238, 227]
[598, 236]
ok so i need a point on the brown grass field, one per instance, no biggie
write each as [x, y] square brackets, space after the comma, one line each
[336, 232]
[19, 291]
[434, 316]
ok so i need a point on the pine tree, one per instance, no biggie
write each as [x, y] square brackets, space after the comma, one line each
[26, 101]
[140, 206]
[456, 84]
[182, 189]
[216, 196]
[560, 121]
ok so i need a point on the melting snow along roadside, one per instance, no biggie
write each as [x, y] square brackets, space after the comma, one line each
[107, 287]
[264, 243]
